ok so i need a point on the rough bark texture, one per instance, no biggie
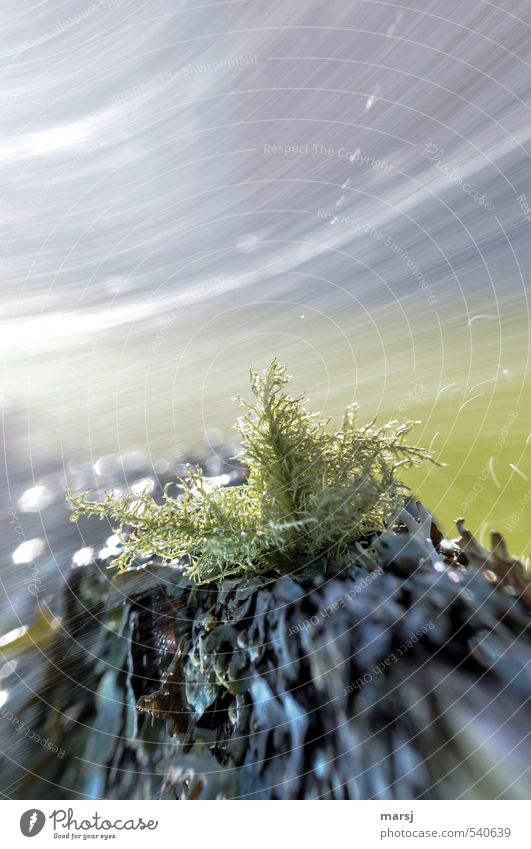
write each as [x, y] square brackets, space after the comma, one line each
[402, 677]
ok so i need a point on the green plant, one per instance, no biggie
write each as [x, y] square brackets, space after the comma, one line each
[310, 493]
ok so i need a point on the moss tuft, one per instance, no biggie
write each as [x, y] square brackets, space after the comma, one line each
[310, 493]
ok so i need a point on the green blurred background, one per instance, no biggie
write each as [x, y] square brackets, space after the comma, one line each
[168, 390]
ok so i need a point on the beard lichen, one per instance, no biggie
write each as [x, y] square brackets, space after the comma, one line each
[311, 493]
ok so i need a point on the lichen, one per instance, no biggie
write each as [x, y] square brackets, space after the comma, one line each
[311, 493]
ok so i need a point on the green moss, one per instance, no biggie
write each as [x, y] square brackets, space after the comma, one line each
[310, 493]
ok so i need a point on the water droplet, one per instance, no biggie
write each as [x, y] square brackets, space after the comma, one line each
[161, 466]
[83, 556]
[35, 498]
[113, 541]
[106, 552]
[8, 668]
[371, 100]
[108, 464]
[28, 551]
[215, 481]
[13, 635]
[143, 486]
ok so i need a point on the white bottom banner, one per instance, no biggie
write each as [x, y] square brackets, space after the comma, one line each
[231, 823]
